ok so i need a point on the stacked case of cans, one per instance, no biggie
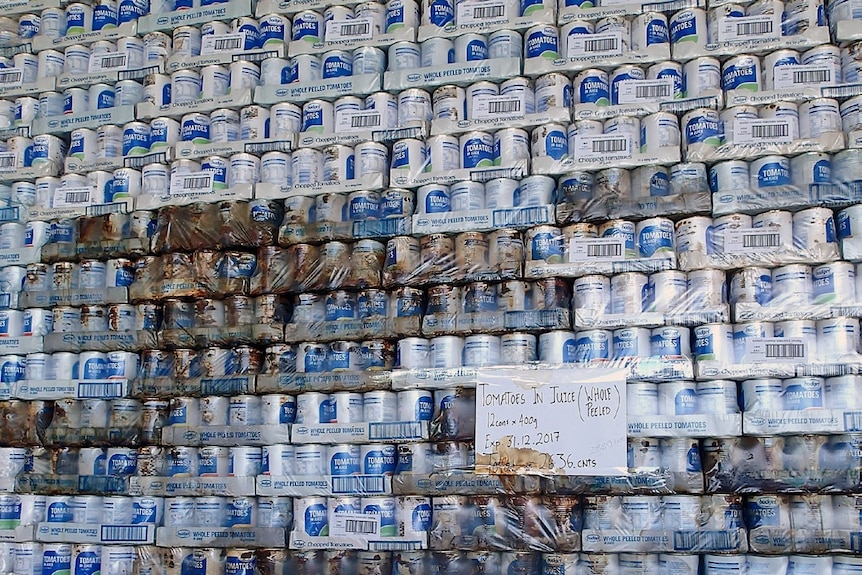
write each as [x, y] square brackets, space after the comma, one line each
[253, 254]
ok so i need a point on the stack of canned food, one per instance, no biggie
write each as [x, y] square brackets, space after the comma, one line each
[229, 229]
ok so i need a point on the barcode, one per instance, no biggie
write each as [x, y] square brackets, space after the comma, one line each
[754, 28]
[853, 421]
[780, 350]
[360, 29]
[770, 131]
[520, 217]
[397, 545]
[514, 173]
[812, 76]
[605, 146]
[534, 319]
[482, 12]
[9, 214]
[365, 121]
[720, 540]
[669, 6]
[761, 240]
[504, 106]
[604, 250]
[685, 540]
[105, 209]
[358, 484]
[398, 430]
[357, 526]
[255, 56]
[259, 148]
[10, 77]
[77, 197]
[114, 61]
[228, 43]
[5, 300]
[842, 91]
[657, 91]
[197, 182]
[706, 102]
[97, 390]
[377, 228]
[705, 541]
[124, 533]
[601, 45]
[7, 161]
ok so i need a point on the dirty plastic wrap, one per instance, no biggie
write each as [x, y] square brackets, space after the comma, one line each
[681, 189]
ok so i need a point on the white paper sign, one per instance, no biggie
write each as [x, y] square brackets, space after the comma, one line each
[568, 421]
[754, 131]
[8, 161]
[358, 121]
[72, 197]
[486, 107]
[10, 77]
[640, 91]
[106, 62]
[749, 28]
[196, 183]
[790, 77]
[482, 12]
[608, 44]
[603, 146]
[214, 43]
[356, 29]
[353, 524]
[772, 349]
[752, 240]
[612, 249]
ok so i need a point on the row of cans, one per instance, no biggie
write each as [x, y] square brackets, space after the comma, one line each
[695, 27]
[511, 146]
[81, 17]
[777, 70]
[116, 560]
[675, 398]
[309, 408]
[87, 509]
[67, 319]
[214, 461]
[59, 558]
[88, 274]
[706, 129]
[94, 366]
[782, 287]
[27, 509]
[337, 460]
[824, 341]
[309, 357]
[811, 229]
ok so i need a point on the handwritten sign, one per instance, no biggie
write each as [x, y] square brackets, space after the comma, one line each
[569, 421]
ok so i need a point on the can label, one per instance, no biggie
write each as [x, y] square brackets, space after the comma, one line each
[774, 174]
[683, 28]
[589, 347]
[594, 89]
[88, 563]
[806, 393]
[315, 520]
[704, 129]
[656, 240]
[542, 43]
[478, 153]
[380, 461]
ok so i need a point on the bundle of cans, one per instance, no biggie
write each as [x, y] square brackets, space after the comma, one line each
[203, 381]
